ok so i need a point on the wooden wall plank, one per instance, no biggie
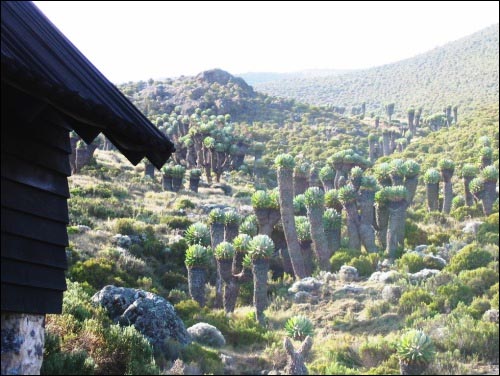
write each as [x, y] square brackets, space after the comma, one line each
[30, 300]
[35, 275]
[28, 199]
[32, 227]
[24, 172]
[37, 252]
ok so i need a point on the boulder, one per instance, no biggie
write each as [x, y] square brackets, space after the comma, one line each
[206, 334]
[423, 274]
[150, 314]
[308, 284]
[391, 293]
[348, 273]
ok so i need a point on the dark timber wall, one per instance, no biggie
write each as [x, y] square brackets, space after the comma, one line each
[34, 212]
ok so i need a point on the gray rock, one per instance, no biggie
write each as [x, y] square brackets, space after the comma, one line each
[120, 240]
[385, 277]
[472, 227]
[326, 276]
[391, 293]
[348, 273]
[307, 284]
[491, 315]
[83, 228]
[304, 297]
[206, 334]
[421, 248]
[423, 274]
[150, 314]
[352, 288]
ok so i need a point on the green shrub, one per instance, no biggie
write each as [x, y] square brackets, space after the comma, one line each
[478, 307]
[479, 280]
[365, 264]
[184, 203]
[481, 338]
[376, 310]
[468, 258]
[411, 262]
[449, 295]
[412, 299]
[176, 222]
[208, 360]
[56, 362]
[99, 272]
[375, 351]
[342, 257]
[488, 231]
[173, 280]
[186, 310]
[245, 331]
[414, 234]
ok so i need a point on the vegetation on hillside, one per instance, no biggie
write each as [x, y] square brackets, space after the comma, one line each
[463, 72]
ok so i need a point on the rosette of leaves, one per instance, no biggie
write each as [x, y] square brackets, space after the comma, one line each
[261, 200]
[274, 196]
[314, 197]
[476, 185]
[285, 161]
[299, 204]
[432, 176]
[249, 226]
[347, 194]
[356, 174]
[261, 247]
[209, 142]
[381, 196]
[415, 351]
[369, 183]
[398, 170]
[485, 141]
[326, 173]
[299, 327]
[301, 169]
[216, 216]
[197, 256]
[303, 228]
[490, 174]
[446, 165]
[178, 171]
[224, 251]
[411, 169]
[195, 173]
[382, 172]
[186, 140]
[397, 193]
[198, 233]
[331, 219]
[167, 171]
[332, 199]
[469, 170]
[232, 217]
[486, 152]
[241, 243]
[372, 137]
[401, 141]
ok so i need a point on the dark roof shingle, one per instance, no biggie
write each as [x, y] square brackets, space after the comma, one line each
[39, 60]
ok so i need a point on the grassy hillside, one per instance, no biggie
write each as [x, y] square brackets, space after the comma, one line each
[463, 73]
[357, 325]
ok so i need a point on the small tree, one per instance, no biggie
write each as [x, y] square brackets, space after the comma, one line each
[261, 251]
[197, 261]
[315, 200]
[415, 351]
[431, 179]
[447, 167]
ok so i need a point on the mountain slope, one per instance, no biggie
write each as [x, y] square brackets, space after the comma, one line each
[463, 72]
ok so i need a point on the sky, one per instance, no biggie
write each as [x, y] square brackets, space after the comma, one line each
[131, 41]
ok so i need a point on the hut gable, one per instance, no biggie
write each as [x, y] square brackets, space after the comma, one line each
[49, 89]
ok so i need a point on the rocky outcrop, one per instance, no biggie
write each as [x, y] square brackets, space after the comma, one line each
[150, 314]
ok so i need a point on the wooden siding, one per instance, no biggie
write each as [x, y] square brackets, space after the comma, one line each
[34, 212]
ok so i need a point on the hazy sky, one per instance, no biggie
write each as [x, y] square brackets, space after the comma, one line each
[140, 40]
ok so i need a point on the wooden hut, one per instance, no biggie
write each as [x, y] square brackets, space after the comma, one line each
[49, 89]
